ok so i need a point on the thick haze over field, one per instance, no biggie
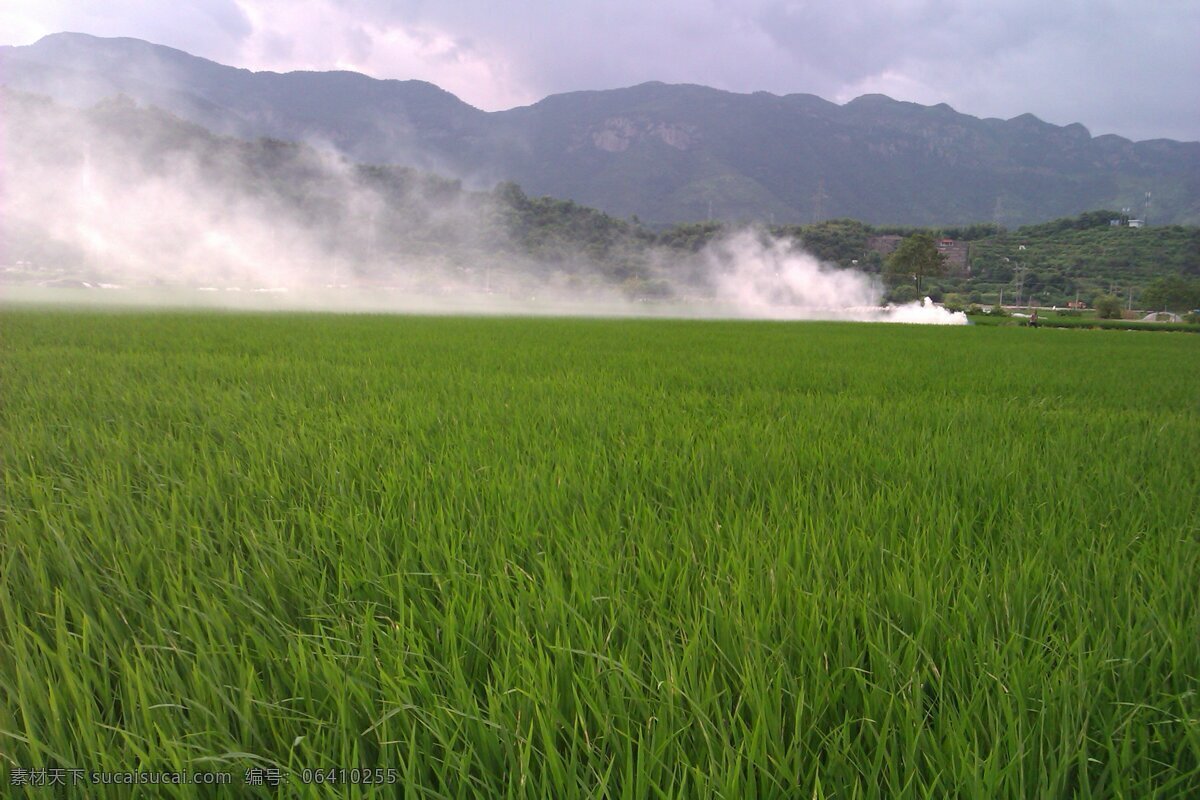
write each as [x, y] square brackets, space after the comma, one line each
[1126, 68]
[134, 200]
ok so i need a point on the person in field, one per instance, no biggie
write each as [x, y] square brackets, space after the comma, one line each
[1033, 319]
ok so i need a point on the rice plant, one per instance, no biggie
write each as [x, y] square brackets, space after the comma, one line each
[599, 558]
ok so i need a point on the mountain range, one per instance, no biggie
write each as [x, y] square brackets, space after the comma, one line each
[665, 153]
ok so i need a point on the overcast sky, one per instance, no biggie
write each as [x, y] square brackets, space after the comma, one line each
[1130, 67]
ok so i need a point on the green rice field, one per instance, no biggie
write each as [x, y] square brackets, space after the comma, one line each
[499, 557]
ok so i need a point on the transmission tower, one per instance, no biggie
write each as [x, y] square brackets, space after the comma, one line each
[819, 198]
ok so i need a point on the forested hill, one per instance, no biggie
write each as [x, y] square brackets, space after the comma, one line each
[664, 153]
[1054, 262]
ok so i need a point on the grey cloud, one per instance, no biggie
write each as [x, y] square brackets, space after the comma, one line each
[1116, 67]
[210, 27]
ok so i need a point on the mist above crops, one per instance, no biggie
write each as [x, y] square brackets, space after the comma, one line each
[136, 202]
[772, 278]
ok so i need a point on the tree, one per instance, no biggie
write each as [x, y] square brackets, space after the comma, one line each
[1107, 306]
[917, 257]
[1172, 293]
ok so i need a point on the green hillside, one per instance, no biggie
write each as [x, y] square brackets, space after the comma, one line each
[1059, 262]
[1054, 262]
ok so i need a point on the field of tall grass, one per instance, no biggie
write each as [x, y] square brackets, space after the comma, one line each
[600, 558]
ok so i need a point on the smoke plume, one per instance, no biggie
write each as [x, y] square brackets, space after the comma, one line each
[134, 205]
[763, 277]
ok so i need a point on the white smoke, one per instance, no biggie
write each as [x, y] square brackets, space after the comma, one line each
[767, 278]
[113, 210]
[167, 213]
[170, 216]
